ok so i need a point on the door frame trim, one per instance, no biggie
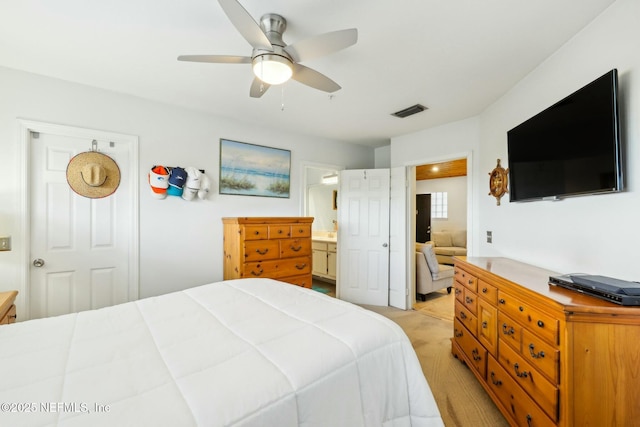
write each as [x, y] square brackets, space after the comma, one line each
[411, 206]
[24, 136]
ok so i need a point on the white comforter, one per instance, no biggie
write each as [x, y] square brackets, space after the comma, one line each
[251, 352]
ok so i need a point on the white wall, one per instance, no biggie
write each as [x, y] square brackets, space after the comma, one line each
[593, 234]
[180, 242]
[456, 189]
[447, 142]
[383, 157]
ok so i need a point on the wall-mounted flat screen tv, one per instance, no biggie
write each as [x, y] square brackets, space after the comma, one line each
[572, 148]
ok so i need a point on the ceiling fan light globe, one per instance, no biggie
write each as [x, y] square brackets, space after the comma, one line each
[272, 69]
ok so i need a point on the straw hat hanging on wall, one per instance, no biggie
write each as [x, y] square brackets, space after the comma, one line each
[93, 175]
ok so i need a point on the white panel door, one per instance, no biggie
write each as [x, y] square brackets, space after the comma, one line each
[80, 248]
[363, 237]
[398, 239]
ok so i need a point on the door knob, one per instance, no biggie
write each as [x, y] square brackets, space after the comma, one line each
[38, 262]
[384, 245]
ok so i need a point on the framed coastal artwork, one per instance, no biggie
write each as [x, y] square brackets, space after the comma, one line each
[254, 170]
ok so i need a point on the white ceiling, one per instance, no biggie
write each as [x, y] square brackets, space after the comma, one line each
[454, 56]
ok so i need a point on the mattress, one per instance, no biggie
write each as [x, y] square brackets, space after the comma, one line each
[249, 352]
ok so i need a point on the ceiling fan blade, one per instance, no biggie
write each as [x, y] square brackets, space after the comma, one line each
[245, 24]
[322, 45]
[316, 80]
[219, 59]
[258, 88]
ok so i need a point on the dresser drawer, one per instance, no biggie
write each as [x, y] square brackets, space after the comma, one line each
[542, 355]
[488, 326]
[302, 281]
[256, 232]
[533, 319]
[278, 268]
[459, 291]
[9, 316]
[468, 280]
[473, 351]
[514, 399]
[470, 301]
[280, 231]
[509, 331]
[290, 248]
[467, 318]
[258, 250]
[488, 292]
[300, 230]
[531, 380]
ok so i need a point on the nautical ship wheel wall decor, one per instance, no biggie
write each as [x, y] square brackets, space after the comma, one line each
[498, 182]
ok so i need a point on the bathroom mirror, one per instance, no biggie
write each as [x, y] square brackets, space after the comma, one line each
[321, 181]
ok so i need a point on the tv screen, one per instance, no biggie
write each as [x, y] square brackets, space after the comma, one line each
[571, 148]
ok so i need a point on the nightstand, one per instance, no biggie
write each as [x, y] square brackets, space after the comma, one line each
[7, 307]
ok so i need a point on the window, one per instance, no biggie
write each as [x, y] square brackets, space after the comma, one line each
[439, 205]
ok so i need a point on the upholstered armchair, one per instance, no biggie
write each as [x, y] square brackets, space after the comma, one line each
[431, 276]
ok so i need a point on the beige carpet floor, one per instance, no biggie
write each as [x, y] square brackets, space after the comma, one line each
[437, 304]
[460, 398]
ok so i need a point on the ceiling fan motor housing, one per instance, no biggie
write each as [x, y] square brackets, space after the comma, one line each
[273, 26]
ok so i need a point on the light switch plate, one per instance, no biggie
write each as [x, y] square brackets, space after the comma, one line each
[5, 243]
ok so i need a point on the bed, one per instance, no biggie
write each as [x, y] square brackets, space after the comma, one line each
[249, 352]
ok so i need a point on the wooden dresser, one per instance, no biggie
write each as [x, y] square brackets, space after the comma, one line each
[271, 247]
[7, 307]
[547, 356]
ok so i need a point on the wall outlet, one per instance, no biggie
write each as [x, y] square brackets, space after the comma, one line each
[489, 237]
[5, 243]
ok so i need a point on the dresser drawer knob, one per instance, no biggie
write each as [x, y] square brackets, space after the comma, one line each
[258, 273]
[457, 333]
[484, 325]
[256, 232]
[521, 308]
[485, 290]
[529, 420]
[293, 248]
[494, 380]
[538, 355]
[469, 300]
[470, 282]
[264, 252]
[541, 323]
[462, 315]
[501, 301]
[301, 266]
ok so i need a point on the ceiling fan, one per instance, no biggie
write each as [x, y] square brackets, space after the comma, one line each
[273, 61]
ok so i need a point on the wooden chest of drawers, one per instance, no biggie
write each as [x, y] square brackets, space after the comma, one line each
[547, 356]
[270, 247]
[7, 307]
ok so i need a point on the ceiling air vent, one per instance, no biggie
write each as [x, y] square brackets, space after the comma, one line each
[409, 111]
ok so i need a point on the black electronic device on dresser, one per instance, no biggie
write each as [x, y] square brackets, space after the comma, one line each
[572, 148]
[618, 291]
